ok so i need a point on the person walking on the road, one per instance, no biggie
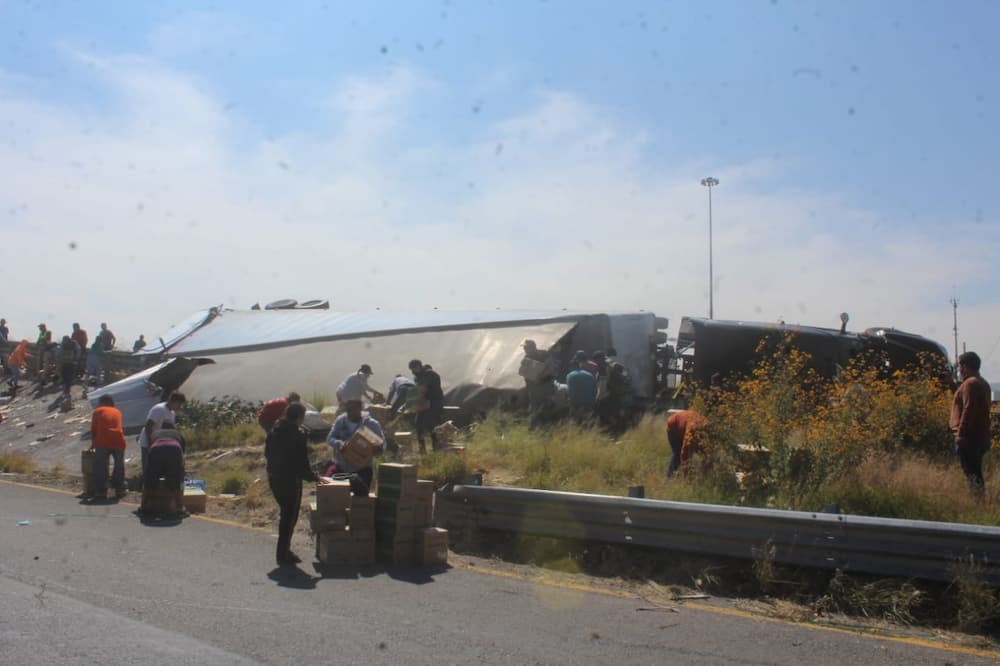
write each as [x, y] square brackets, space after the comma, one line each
[970, 420]
[287, 454]
[107, 439]
[272, 410]
[431, 402]
[160, 413]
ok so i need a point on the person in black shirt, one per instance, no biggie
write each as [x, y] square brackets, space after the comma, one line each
[287, 457]
[429, 385]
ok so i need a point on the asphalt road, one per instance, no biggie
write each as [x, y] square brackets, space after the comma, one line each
[92, 585]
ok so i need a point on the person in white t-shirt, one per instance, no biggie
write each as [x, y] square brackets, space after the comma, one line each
[161, 412]
[355, 387]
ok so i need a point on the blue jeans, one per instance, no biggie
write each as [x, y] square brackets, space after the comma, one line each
[101, 471]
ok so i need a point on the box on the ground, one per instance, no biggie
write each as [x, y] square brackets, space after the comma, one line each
[333, 498]
[360, 448]
[324, 522]
[334, 547]
[195, 499]
[431, 546]
[87, 471]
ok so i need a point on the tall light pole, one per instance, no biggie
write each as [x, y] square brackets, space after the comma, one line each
[710, 183]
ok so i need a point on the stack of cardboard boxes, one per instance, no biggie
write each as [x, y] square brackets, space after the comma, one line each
[404, 513]
[344, 526]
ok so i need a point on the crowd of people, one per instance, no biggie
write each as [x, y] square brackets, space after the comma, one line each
[73, 358]
[595, 388]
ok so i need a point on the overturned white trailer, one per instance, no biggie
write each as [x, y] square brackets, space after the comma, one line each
[260, 354]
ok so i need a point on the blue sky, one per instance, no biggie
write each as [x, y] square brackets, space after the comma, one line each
[521, 154]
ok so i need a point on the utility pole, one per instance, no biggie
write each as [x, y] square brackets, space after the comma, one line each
[954, 317]
[710, 183]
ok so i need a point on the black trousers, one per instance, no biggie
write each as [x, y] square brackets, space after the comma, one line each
[971, 459]
[287, 493]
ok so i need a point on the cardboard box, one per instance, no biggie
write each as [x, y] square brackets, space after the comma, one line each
[397, 493]
[431, 546]
[423, 514]
[334, 547]
[362, 551]
[360, 448]
[394, 513]
[333, 498]
[404, 438]
[398, 552]
[325, 522]
[380, 413]
[195, 500]
[396, 474]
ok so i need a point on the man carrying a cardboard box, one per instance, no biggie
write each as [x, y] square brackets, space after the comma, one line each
[355, 439]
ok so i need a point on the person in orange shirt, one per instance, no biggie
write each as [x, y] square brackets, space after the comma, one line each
[16, 363]
[681, 425]
[107, 440]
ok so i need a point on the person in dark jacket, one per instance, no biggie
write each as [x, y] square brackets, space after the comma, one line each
[429, 386]
[287, 457]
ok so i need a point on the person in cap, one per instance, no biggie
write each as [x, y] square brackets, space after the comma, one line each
[355, 386]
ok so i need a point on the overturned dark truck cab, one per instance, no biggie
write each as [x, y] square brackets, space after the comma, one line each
[710, 347]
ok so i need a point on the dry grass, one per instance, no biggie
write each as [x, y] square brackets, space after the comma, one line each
[16, 463]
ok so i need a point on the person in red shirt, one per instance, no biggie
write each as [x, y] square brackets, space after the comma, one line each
[681, 424]
[107, 440]
[272, 410]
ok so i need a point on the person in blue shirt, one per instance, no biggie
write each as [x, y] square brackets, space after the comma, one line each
[343, 428]
[582, 388]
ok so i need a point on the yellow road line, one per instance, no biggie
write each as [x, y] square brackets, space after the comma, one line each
[584, 587]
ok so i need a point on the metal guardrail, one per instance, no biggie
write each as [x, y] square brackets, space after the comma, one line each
[884, 546]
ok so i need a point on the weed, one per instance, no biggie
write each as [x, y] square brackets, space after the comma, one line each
[887, 599]
[16, 463]
[974, 603]
[443, 468]
[235, 484]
